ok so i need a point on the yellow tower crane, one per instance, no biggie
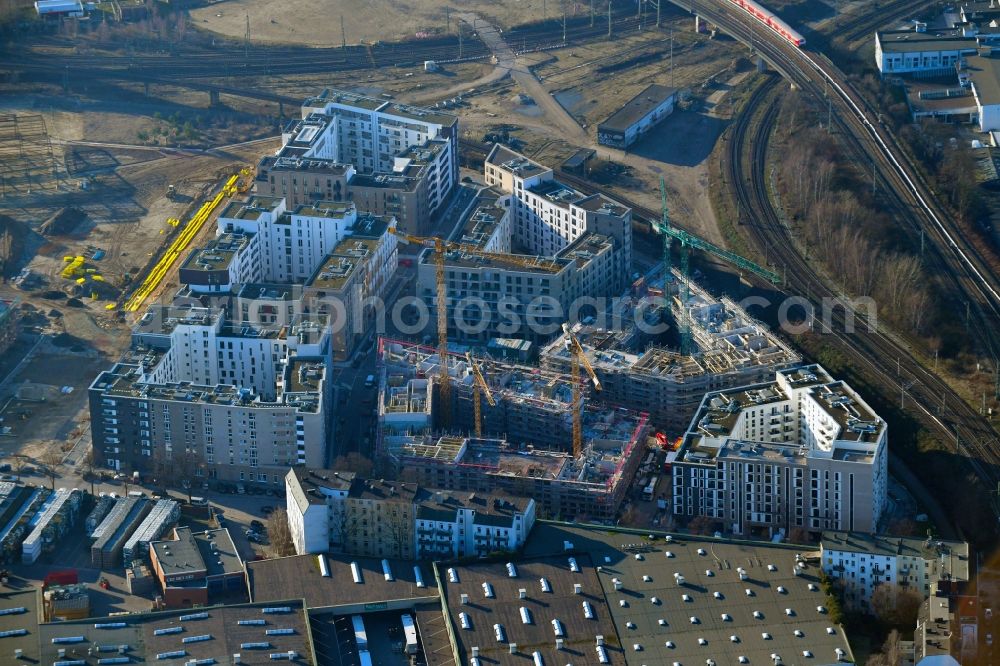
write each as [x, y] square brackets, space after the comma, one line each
[440, 247]
[479, 386]
[579, 358]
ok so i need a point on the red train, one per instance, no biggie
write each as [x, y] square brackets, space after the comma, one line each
[766, 17]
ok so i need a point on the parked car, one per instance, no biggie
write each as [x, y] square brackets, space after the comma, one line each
[257, 526]
[8, 477]
[241, 489]
[5, 467]
[267, 509]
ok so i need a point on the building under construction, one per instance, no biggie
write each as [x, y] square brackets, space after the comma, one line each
[529, 421]
[532, 406]
[732, 349]
[590, 487]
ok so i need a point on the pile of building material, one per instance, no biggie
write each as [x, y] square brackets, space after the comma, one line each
[111, 535]
[16, 511]
[51, 523]
[164, 514]
[94, 518]
[69, 602]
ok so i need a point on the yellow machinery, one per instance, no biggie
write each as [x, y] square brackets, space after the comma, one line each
[180, 243]
[575, 350]
[246, 179]
[479, 386]
[74, 267]
[440, 247]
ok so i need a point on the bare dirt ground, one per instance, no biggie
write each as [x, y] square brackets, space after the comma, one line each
[318, 24]
[591, 81]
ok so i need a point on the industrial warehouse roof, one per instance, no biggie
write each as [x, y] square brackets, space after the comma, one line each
[712, 592]
[505, 606]
[985, 74]
[220, 632]
[909, 41]
[207, 553]
[637, 108]
[11, 600]
[300, 576]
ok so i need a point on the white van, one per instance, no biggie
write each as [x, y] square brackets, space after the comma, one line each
[199, 501]
[136, 493]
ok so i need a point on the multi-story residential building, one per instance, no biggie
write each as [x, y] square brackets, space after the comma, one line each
[731, 349]
[352, 281]
[549, 216]
[803, 451]
[505, 287]
[324, 258]
[861, 562]
[197, 396]
[389, 158]
[341, 512]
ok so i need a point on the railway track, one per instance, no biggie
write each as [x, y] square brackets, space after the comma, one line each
[883, 357]
[239, 60]
[864, 24]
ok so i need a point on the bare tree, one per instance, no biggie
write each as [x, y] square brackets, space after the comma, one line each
[896, 605]
[279, 534]
[354, 462]
[89, 467]
[399, 530]
[18, 464]
[344, 525]
[51, 460]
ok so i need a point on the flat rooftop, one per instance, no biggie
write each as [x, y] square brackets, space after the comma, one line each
[336, 210]
[163, 319]
[250, 208]
[909, 41]
[388, 107]
[208, 551]
[291, 159]
[711, 592]
[12, 598]
[985, 74]
[481, 223]
[338, 267]
[407, 182]
[603, 204]
[217, 254]
[637, 108]
[299, 576]
[561, 603]
[224, 628]
[953, 555]
[515, 163]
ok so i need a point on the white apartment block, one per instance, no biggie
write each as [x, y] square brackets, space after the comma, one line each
[244, 402]
[547, 246]
[370, 133]
[548, 216]
[861, 562]
[332, 511]
[803, 451]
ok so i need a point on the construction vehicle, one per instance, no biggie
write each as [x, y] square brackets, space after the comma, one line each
[171, 192]
[578, 358]
[440, 247]
[479, 386]
[246, 179]
[688, 241]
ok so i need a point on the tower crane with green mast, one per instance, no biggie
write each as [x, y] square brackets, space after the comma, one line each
[687, 243]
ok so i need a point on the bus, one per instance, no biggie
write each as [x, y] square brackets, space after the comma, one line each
[650, 490]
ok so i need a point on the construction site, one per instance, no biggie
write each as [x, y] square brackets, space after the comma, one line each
[728, 348]
[505, 427]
